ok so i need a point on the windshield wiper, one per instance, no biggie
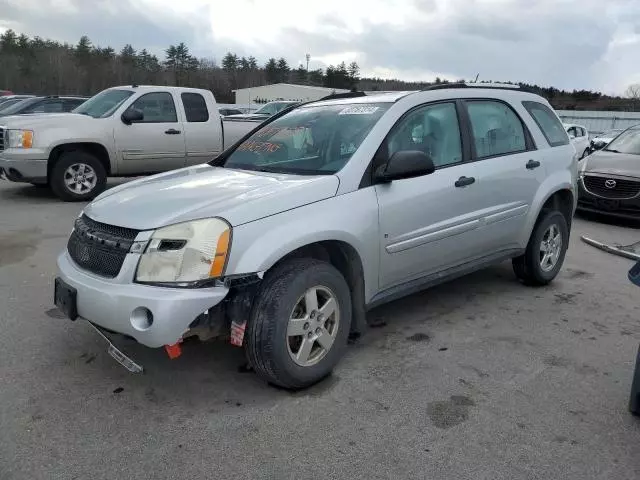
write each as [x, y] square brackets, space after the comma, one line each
[612, 150]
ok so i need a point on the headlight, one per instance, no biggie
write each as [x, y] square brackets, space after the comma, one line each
[20, 138]
[185, 253]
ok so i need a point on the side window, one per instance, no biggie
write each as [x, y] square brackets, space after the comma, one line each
[195, 107]
[496, 128]
[582, 132]
[572, 132]
[157, 108]
[548, 123]
[432, 129]
[72, 103]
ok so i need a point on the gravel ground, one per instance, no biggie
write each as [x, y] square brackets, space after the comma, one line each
[481, 378]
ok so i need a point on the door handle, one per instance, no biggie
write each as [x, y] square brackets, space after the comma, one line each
[531, 164]
[464, 181]
[172, 131]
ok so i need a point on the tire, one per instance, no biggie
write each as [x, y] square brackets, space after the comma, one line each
[528, 267]
[269, 346]
[66, 165]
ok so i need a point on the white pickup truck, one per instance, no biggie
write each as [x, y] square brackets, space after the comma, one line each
[122, 131]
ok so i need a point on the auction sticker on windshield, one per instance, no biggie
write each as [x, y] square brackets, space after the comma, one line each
[359, 110]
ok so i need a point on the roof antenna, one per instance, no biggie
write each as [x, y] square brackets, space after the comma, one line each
[476, 80]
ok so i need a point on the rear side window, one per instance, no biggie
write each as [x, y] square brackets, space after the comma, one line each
[496, 128]
[71, 103]
[195, 107]
[548, 122]
[48, 106]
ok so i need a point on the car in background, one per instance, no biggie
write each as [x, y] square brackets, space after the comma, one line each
[609, 179]
[5, 93]
[579, 137]
[50, 104]
[266, 111]
[9, 100]
[603, 139]
[225, 112]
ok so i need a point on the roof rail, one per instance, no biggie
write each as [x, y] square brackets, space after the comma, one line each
[500, 86]
[334, 96]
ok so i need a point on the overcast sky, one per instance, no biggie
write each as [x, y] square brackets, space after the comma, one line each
[593, 44]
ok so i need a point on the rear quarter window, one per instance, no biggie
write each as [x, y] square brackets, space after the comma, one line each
[195, 107]
[548, 122]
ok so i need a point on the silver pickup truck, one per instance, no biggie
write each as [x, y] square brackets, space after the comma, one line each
[283, 242]
[122, 131]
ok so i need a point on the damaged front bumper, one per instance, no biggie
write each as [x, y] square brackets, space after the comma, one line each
[153, 316]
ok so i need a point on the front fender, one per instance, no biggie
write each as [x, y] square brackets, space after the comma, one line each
[351, 218]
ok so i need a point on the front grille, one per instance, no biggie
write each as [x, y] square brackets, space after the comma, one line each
[618, 188]
[2, 135]
[100, 248]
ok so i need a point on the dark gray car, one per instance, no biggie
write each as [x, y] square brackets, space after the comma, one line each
[50, 104]
[609, 179]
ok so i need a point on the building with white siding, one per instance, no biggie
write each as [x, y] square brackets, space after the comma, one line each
[283, 91]
[600, 121]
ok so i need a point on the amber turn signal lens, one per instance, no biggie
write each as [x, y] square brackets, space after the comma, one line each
[220, 259]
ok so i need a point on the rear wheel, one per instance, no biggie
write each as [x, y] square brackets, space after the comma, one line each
[77, 176]
[545, 251]
[299, 324]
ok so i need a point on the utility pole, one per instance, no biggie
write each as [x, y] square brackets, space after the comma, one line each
[308, 58]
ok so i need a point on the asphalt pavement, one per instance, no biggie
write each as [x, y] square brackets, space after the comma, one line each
[481, 378]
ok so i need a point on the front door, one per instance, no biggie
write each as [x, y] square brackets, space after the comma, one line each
[427, 223]
[154, 144]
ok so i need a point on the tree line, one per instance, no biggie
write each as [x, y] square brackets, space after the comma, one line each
[41, 66]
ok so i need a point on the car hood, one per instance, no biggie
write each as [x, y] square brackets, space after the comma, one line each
[204, 191]
[623, 164]
[39, 120]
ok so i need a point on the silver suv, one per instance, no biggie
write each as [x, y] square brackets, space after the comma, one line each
[284, 241]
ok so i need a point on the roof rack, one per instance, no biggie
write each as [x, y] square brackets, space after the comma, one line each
[501, 86]
[334, 96]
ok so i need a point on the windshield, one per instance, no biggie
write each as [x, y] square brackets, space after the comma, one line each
[315, 140]
[104, 104]
[609, 134]
[627, 142]
[18, 106]
[272, 108]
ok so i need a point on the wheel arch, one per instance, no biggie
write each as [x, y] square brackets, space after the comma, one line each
[96, 149]
[347, 260]
[562, 197]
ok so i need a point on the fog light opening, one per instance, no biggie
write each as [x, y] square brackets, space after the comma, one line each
[141, 318]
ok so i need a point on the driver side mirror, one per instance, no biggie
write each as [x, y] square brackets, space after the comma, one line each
[405, 164]
[132, 115]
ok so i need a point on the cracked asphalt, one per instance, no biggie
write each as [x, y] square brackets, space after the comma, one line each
[481, 378]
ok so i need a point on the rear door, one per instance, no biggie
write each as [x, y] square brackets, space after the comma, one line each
[154, 144]
[203, 129]
[507, 170]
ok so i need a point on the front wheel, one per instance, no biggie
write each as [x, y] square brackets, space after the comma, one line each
[299, 325]
[545, 251]
[77, 176]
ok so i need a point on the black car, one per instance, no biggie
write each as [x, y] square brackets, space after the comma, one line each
[50, 104]
[609, 179]
[634, 400]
